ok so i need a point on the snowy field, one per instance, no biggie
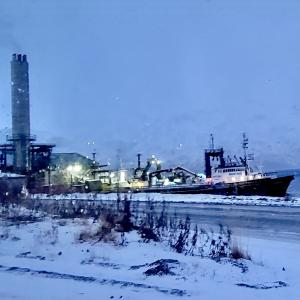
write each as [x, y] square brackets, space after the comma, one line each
[201, 199]
[44, 259]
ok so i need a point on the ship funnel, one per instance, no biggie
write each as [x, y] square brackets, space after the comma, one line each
[139, 160]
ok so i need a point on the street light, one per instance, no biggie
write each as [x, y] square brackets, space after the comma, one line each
[74, 170]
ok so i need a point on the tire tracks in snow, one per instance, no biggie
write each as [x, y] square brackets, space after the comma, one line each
[90, 279]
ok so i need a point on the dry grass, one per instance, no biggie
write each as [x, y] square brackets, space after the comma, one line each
[104, 232]
[238, 253]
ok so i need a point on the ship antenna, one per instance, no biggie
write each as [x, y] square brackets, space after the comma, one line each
[139, 160]
[245, 147]
[94, 156]
[212, 146]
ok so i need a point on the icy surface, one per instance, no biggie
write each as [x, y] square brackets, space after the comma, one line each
[201, 199]
[10, 175]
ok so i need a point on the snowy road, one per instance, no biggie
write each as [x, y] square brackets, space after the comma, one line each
[282, 223]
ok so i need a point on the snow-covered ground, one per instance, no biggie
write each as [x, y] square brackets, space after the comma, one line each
[201, 199]
[45, 260]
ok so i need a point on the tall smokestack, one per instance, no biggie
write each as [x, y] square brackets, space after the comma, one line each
[20, 112]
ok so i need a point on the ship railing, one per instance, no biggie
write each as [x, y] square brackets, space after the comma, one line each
[270, 174]
[18, 137]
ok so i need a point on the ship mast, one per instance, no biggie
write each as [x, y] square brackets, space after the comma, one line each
[245, 147]
[212, 144]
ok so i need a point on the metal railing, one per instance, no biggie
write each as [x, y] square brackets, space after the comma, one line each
[18, 137]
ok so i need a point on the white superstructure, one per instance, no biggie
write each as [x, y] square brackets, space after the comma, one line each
[231, 174]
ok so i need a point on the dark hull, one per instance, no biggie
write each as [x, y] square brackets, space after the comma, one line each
[275, 187]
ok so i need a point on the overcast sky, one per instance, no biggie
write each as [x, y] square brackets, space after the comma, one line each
[159, 76]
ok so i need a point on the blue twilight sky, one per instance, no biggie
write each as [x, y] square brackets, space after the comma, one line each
[159, 76]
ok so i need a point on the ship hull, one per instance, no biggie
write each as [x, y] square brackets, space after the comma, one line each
[274, 187]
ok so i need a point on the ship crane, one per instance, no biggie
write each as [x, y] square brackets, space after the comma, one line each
[178, 173]
[143, 173]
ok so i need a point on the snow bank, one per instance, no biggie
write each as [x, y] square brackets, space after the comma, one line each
[43, 260]
[201, 199]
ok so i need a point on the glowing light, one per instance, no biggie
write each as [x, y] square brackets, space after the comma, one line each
[139, 184]
[122, 176]
[77, 168]
[74, 168]
[209, 180]
[166, 181]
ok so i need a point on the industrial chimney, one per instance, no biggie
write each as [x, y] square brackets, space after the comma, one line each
[20, 113]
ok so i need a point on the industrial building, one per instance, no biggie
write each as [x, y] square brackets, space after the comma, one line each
[69, 168]
[35, 163]
[21, 154]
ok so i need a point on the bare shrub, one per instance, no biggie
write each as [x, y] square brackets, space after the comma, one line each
[161, 267]
[182, 241]
[62, 222]
[180, 235]
[154, 223]
[123, 221]
[148, 234]
[238, 253]
[17, 214]
[106, 232]
[85, 235]
[112, 220]
[220, 243]
[103, 232]
[49, 236]
[4, 234]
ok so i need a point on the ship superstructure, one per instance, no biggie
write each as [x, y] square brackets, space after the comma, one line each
[232, 170]
[228, 177]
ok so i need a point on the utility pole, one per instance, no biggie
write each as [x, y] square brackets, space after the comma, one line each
[94, 164]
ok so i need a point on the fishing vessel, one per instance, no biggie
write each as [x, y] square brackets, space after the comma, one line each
[222, 176]
[227, 177]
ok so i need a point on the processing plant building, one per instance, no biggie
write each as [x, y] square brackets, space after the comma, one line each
[21, 154]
